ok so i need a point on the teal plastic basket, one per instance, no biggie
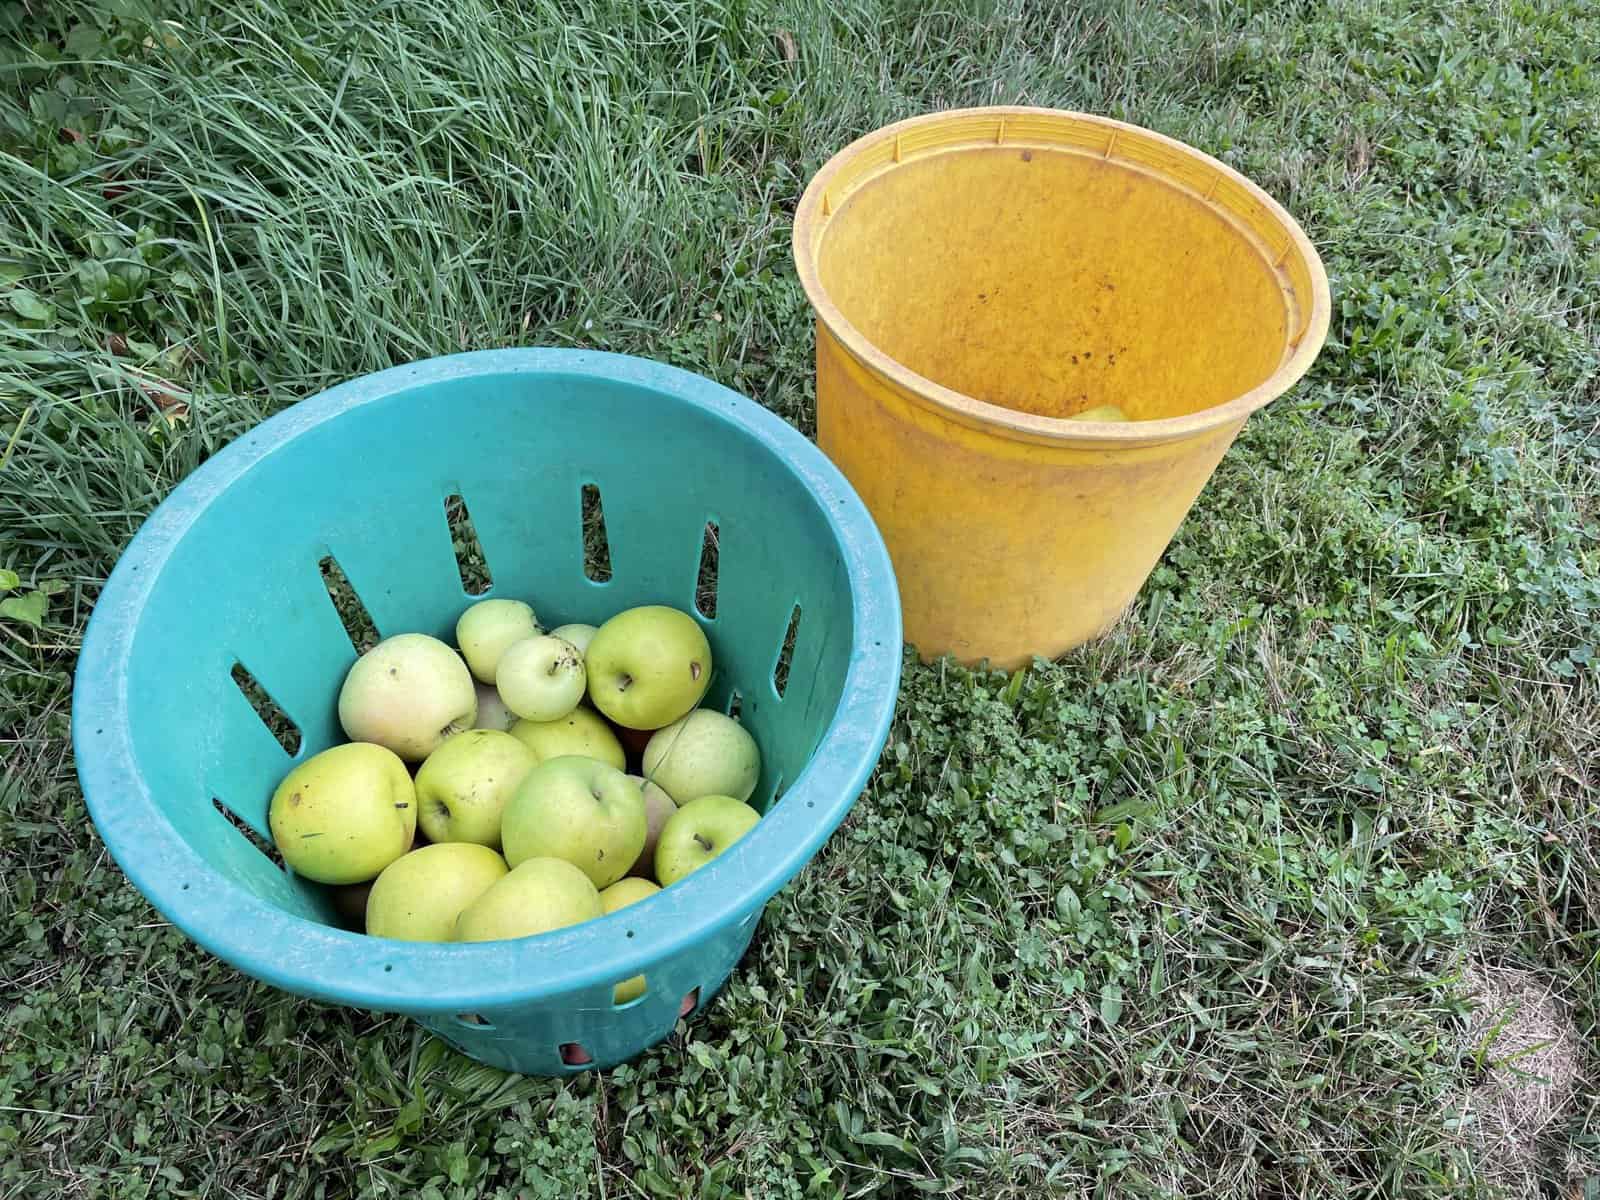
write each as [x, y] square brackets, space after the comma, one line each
[226, 574]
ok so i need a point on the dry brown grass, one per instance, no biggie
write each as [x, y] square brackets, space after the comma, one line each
[1533, 1063]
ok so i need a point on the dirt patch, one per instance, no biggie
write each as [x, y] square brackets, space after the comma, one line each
[1532, 1059]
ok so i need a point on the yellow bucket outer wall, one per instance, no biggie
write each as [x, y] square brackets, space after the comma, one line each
[1014, 531]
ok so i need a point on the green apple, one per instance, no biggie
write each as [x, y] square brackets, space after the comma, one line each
[490, 627]
[698, 832]
[582, 731]
[625, 892]
[408, 693]
[541, 678]
[492, 711]
[658, 806]
[538, 895]
[345, 814]
[579, 810]
[463, 786]
[578, 635]
[419, 895]
[703, 754]
[619, 895]
[648, 666]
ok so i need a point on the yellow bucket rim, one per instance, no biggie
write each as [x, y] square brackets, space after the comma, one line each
[1218, 186]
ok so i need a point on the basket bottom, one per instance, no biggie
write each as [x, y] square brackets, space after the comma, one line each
[531, 1040]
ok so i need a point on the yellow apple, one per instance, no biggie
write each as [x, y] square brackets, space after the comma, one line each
[582, 731]
[648, 666]
[463, 787]
[408, 693]
[618, 896]
[698, 832]
[489, 628]
[703, 754]
[345, 814]
[419, 895]
[538, 895]
[579, 810]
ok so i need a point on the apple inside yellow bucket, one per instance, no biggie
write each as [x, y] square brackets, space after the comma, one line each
[1037, 334]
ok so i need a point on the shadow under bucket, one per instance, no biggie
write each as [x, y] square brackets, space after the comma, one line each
[981, 277]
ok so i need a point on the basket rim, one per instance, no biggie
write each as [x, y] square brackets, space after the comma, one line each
[417, 978]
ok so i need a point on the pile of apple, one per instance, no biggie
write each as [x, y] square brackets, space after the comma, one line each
[522, 815]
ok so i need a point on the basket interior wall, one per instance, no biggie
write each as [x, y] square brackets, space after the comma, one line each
[243, 587]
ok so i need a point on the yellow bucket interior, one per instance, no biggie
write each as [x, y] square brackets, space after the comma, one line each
[1051, 266]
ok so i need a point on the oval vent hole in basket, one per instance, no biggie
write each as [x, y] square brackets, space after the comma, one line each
[629, 992]
[596, 549]
[780, 670]
[705, 592]
[574, 1055]
[266, 848]
[689, 1002]
[735, 705]
[474, 568]
[274, 718]
[474, 1021]
[353, 615]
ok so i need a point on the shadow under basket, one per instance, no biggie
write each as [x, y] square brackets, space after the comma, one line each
[583, 482]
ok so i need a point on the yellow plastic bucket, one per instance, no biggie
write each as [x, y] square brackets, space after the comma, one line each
[981, 276]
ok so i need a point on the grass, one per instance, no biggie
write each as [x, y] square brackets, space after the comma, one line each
[1195, 911]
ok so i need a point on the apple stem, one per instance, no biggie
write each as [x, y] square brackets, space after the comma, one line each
[704, 845]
